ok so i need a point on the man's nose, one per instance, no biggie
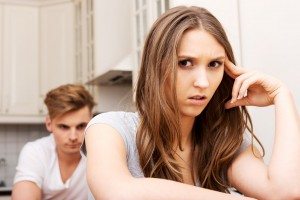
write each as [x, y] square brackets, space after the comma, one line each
[73, 134]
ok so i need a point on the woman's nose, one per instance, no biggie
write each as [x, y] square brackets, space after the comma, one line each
[201, 79]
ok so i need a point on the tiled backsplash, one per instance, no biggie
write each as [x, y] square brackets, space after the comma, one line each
[12, 138]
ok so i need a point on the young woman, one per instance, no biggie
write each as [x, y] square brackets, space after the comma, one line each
[188, 139]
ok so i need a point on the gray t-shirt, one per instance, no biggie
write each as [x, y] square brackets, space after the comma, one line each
[126, 124]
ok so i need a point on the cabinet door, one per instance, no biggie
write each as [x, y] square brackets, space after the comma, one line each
[113, 33]
[57, 46]
[1, 66]
[20, 60]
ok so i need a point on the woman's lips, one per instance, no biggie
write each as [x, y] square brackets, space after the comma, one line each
[198, 100]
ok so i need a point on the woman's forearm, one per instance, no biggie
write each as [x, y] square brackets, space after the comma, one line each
[154, 188]
[284, 168]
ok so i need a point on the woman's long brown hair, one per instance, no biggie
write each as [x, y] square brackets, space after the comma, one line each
[217, 133]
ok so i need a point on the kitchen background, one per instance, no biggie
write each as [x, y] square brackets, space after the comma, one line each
[45, 43]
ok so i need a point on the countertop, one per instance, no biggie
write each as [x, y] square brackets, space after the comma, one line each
[5, 197]
[5, 189]
[5, 193]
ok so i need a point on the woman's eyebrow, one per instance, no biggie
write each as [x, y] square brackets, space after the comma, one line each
[218, 57]
[212, 57]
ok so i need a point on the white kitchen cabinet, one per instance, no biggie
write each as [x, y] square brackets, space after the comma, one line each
[103, 50]
[20, 60]
[112, 34]
[84, 43]
[57, 48]
[1, 65]
[144, 15]
[36, 53]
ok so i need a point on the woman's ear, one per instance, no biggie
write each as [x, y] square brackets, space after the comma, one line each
[48, 123]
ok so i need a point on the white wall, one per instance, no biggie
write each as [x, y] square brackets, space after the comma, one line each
[12, 139]
[270, 37]
[114, 98]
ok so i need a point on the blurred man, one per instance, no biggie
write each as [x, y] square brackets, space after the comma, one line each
[53, 167]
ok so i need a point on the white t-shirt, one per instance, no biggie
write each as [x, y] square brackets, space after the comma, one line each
[38, 162]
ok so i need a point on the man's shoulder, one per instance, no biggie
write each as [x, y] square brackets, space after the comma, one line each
[40, 146]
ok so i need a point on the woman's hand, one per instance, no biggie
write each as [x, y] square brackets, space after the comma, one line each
[251, 88]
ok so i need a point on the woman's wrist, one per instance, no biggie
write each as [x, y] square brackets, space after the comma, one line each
[282, 92]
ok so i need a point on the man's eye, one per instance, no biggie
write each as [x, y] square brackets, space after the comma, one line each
[81, 126]
[185, 63]
[215, 64]
[64, 127]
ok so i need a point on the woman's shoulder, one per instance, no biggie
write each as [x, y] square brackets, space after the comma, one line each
[125, 123]
[115, 117]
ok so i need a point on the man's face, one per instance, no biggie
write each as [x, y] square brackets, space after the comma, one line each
[68, 129]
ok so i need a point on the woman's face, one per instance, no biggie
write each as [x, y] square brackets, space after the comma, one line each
[200, 71]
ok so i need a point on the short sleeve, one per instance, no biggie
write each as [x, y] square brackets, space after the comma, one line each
[125, 123]
[246, 142]
[30, 166]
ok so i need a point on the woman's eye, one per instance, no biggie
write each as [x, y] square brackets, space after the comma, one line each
[215, 64]
[185, 63]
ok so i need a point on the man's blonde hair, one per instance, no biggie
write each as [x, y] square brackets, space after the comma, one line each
[66, 98]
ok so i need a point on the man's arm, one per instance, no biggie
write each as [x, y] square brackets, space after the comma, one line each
[29, 174]
[26, 190]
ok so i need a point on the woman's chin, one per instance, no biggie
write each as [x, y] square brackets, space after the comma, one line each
[192, 113]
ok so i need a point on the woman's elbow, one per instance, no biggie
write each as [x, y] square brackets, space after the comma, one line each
[108, 189]
[294, 194]
[110, 194]
[286, 193]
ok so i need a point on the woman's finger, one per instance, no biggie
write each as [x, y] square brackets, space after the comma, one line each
[232, 70]
[246, 84]
[239, 102]
[238, 83]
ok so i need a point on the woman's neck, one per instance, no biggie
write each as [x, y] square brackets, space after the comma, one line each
[187, 124]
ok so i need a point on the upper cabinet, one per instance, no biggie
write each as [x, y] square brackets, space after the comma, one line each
[84, 40]
[103, 51]
[20, 60]
[1, 58]
[145, 12]
[57, 48]
[36, 53]
[104, 38]
[112, 29]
